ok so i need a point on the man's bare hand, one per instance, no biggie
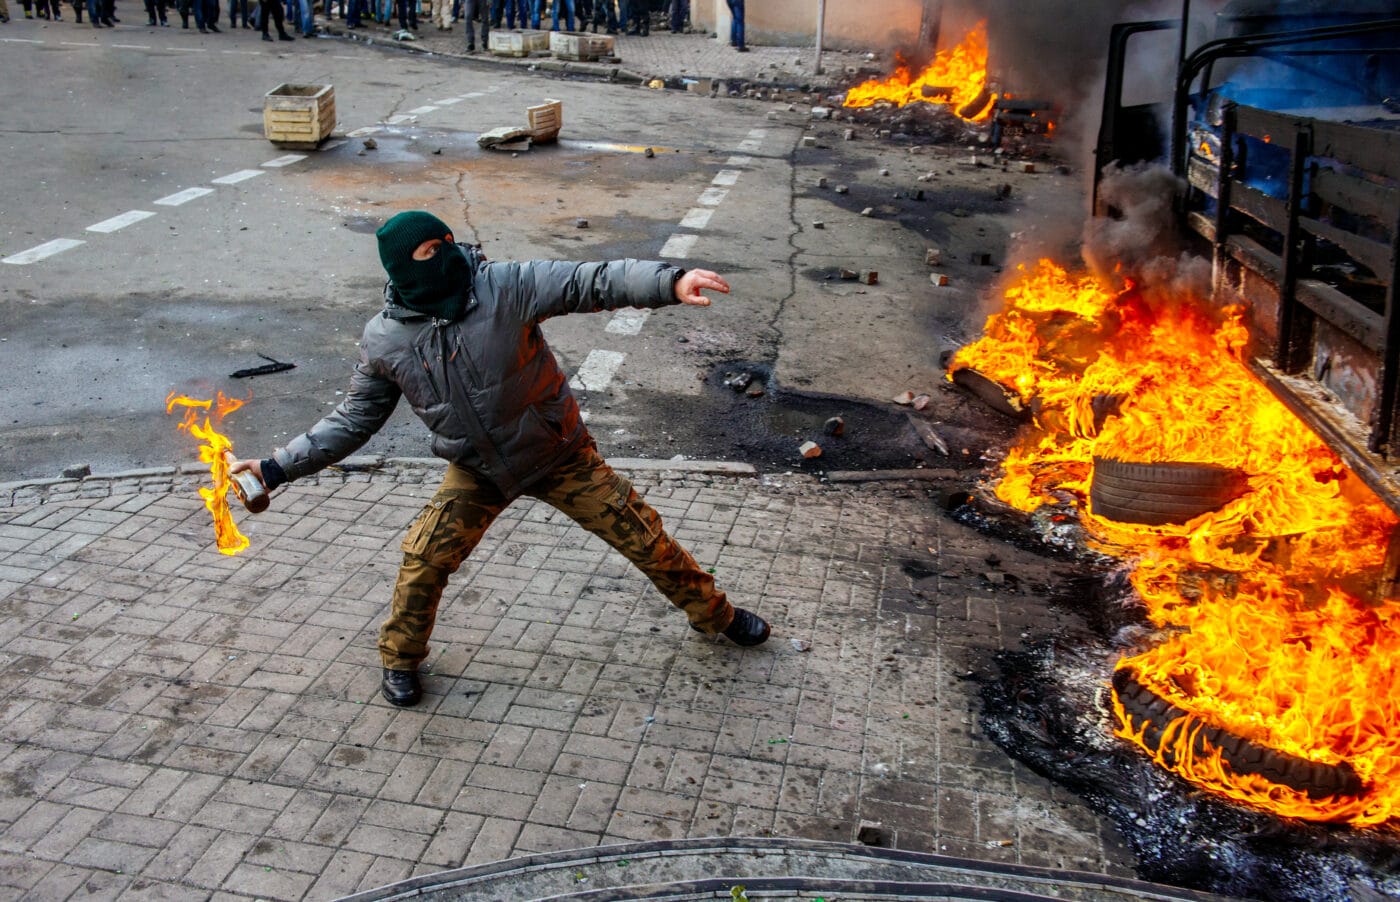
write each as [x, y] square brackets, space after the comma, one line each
[689, 286]
[254, 465]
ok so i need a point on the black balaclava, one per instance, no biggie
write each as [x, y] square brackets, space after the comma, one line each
[437, 286]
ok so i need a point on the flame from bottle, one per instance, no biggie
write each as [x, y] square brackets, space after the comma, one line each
[212, 452]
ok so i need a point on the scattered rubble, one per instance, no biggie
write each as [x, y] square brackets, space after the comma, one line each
[842, 189]
[818, 225]
[938, 279]
[921, 401]
[580, 223]
[928, 435]
[834, 426]
[869, 277]
[810, 450]
[933, 257]
[904, 398]
[78, 471]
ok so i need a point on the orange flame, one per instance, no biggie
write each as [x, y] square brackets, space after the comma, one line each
[1273, 636]
[226, 534]
[957, 76]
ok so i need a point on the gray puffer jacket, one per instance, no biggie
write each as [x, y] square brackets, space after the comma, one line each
[487, 384]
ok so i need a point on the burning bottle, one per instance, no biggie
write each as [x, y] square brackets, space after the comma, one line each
[217, 452]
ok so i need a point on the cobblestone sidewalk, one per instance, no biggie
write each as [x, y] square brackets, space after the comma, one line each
[180, 724]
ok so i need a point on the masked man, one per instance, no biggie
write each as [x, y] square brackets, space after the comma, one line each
[460, 339]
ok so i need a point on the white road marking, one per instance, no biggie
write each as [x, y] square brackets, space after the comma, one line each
[726, 177]
[332, 145]
[750, 145]
[627, 321]
[287, 160]
[362, 132]
[233, 178]
[738, 161]
[19, 41]
[78, 44]
[133, 46]
[597, 371]
[711, 197]
[47, 249]
[678, 246]
[187, 49]
[344, 57]
[120, 222]
[758, 134]
[464, 96]
[697, 218]
[421, 110]
[244, 52]
[398, 120]
[448, 101]
[181, 197]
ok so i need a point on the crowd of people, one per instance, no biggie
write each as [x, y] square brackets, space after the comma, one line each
[633, 17]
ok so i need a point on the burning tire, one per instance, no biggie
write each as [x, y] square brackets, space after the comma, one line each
[1146, 711]
[1157, 494]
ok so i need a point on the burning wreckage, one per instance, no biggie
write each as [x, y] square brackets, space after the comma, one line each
[1217, 428]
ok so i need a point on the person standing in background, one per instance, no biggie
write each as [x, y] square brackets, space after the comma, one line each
[736, 26]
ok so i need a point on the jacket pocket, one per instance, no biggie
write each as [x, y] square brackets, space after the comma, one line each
[420, 534]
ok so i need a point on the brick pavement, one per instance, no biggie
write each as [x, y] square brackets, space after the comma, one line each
[179, 724]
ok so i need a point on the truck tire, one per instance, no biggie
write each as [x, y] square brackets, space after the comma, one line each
[1161, 493]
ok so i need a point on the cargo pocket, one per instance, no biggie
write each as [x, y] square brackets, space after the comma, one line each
[639, 522]
[420, 534]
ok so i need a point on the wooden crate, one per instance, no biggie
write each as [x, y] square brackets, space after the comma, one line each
[569, 45]
[299, 117]
[545, 121]
[518, 42]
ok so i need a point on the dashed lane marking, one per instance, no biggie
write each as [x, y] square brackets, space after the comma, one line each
[130, 217]
[19, 41]
[78, 44]
[627, 321]
[597, 371]
[678, 246]
[183, 197]
[697, 218]
[188, 49]
[332, 145]
[738, 161]
[133, 46]
[448, 101]
[398, 120]
[711, 197]
[47, 249]
[362, 132]
[726, 177]
[287, 160]
[244, 52]
[750, 145]
[422, 110]
[233, 178]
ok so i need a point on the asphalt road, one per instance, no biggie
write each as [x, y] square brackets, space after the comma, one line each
[279, 260]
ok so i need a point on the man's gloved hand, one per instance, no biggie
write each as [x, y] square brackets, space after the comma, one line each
[267, 471]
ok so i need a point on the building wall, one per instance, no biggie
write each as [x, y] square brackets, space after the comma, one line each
[862, 25]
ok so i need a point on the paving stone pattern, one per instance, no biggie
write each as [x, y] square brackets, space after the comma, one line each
[180, 724]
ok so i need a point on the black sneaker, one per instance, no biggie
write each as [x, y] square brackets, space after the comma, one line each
[747, 629]
[401, 688]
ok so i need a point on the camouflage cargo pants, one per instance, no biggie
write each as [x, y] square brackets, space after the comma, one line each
[584, 487]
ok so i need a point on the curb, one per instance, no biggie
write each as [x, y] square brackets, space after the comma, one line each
[157, 480]
[606, 72]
